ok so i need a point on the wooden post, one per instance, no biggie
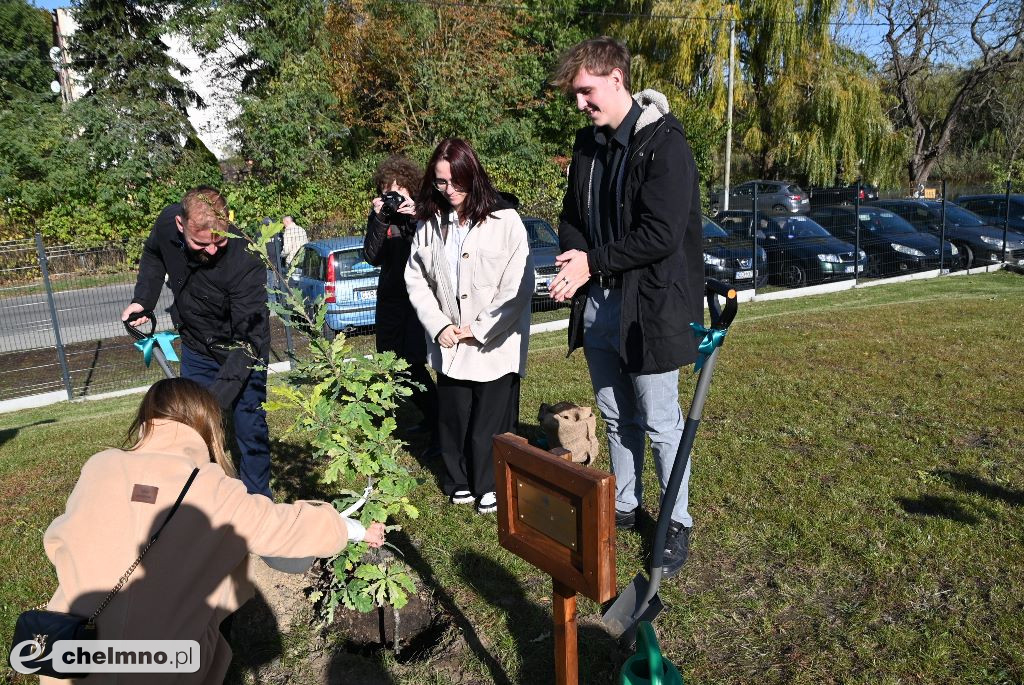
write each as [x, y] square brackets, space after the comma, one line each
[566, 654]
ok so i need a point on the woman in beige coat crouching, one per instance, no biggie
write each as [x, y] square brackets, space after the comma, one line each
[195, 574]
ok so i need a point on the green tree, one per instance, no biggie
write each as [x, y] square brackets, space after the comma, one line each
[804, 107]
[942, 58]
[26, 34]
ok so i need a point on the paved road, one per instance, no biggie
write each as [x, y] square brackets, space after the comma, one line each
[86, 314]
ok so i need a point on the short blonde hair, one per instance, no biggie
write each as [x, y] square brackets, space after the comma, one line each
[599, 56]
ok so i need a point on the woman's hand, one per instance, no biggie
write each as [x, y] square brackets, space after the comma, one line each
[407, 207]
[374, 534]
[377, 204]
[465, 333]
[449, 337]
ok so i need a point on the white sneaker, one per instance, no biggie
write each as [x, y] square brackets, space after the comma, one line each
[488, 503]
[462, 497]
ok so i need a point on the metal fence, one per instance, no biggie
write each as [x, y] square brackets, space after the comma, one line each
[853, 233]
[60, 305]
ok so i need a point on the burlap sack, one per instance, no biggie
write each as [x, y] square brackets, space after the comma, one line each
[571, 427]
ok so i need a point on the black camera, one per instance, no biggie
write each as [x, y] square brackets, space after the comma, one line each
[389, 210]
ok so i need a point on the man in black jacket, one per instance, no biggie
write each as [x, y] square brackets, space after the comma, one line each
[630, 231]
[220, 311]
[387, 244]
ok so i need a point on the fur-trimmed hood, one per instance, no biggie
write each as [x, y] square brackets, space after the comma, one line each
[654, 105]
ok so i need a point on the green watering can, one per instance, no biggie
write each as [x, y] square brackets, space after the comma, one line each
[647, 666]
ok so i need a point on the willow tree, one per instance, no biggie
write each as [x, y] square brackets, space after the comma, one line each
[804, 106]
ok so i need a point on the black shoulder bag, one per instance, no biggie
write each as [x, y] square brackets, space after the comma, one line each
[44, 628]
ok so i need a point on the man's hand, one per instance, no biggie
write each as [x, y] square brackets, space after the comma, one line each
[131, 309]
[374, 534]
[574, 272]
[449, 337]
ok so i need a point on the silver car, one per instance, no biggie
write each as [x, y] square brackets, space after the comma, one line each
[772, 196]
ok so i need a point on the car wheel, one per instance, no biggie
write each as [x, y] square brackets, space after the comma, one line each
[966, 257]
[778, 208]
[873, 269]
[794, 276]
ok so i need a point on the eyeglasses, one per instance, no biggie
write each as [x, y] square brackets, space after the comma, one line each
[442, 184]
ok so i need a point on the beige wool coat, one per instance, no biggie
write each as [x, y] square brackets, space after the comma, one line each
[196, 572]
[493, 296]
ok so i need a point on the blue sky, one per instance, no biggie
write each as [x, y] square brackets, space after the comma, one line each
[51, 4]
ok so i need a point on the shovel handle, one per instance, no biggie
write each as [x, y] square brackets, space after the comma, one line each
[720, 318]
[129, 324]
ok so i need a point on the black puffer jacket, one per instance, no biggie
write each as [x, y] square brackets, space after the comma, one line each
[660, 255]
[219, 310]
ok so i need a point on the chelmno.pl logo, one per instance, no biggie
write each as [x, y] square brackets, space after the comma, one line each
[108, 656]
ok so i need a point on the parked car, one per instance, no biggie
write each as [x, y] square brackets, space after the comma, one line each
[543, 248]
[992, 208]
[893, 246]
[730, 259]
[336, 269]
[978, 241]
[841, 195]
[777, 196]
[800, 251]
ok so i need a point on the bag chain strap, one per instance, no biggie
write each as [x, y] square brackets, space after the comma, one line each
[124, 578]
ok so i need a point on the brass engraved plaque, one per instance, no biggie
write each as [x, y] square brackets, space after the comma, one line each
[549, 514]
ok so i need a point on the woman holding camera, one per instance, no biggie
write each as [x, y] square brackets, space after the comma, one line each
[470, 280]
[195, 573]
[389, 231]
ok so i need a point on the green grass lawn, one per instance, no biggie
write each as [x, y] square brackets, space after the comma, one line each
[858, 496]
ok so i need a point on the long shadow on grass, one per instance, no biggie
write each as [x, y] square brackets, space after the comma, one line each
[9, 433]
[531, 625]
[933, 505]
[295, 473]
[966, 482]
[412, 556]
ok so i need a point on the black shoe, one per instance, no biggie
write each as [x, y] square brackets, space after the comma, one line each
[677, 548]
[625, 520]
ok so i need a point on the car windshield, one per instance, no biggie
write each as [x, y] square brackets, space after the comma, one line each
[958, 216]
[879, 221]
[713, 230]
[352, 263]
[802, 227]
[540, 234]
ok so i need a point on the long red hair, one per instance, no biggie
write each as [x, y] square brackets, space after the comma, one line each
[467, 173]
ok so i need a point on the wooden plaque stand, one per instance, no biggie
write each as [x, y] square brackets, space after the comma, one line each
[560, 517]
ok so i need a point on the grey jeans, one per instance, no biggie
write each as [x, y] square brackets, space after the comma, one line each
[632, 404]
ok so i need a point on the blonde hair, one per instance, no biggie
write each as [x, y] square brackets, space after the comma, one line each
[599, 56]
[184, 401]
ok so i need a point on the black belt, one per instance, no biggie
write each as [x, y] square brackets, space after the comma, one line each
[609, 282]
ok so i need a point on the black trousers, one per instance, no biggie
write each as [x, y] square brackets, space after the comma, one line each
[470, 414]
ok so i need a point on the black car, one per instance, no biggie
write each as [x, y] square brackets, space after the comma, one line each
[842, 195]
[800, 251]
[979, 242]
[730, 259]
[894, 246]
[992, 208]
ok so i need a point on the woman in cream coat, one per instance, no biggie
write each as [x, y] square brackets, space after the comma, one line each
[470, 280]
[194, 575]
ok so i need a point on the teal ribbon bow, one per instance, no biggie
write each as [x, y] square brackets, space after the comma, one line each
[165, 340]
[710, 338]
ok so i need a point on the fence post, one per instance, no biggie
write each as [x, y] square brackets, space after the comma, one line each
[942, 230]
[856, 239]
[1006, 220]
[61, 355]
[753, 237]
